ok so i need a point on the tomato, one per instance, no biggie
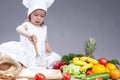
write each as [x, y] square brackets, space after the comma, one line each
[66, 76]
[89, 72]
[99, 78]
[39, 76]
[103, 61]
[58, 64]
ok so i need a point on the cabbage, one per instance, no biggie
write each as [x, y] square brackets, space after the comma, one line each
[74, 70]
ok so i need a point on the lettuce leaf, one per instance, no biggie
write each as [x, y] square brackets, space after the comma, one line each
[74, 70]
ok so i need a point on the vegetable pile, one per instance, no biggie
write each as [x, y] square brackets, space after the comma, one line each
[86, 67]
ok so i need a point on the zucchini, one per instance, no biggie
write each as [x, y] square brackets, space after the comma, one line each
[104, 75]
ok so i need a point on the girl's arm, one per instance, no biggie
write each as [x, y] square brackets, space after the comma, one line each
[47, 46]
[22, 29]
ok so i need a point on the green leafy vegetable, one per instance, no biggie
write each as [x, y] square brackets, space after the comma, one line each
[74, 70]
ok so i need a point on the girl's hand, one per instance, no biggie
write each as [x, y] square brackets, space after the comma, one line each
[48, 50]
[47, 46]
[32, 38]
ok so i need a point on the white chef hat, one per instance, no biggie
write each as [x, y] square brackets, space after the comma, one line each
[37, 4]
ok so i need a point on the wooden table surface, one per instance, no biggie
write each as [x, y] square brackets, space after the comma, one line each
[51, 74]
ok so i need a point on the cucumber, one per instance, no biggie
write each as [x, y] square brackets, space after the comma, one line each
[104, 75]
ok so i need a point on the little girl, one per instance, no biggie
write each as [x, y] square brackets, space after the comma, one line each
[32, 32]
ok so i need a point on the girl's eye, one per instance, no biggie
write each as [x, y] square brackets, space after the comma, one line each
[42, 16]
[35, 14]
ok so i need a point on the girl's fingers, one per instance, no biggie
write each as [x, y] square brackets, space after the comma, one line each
[34, 38]
[48, 50]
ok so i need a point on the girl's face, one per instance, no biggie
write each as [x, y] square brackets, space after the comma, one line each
[37, 17]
